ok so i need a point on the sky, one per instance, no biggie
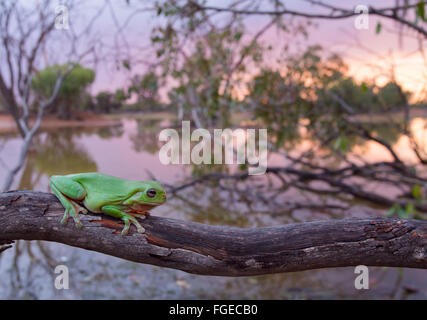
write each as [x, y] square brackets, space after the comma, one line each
[368, 54]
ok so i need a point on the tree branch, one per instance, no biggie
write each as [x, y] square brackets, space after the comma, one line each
[29, 133]
[335, 13]
[216, 250]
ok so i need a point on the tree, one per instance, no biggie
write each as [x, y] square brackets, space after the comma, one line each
[27, 34]
[72, 89]
[107, 102]
[294, 94]
[392, 95]
[146, 89]
[278, 9]
[208, 72]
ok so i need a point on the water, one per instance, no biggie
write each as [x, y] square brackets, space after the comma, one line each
[130, 151]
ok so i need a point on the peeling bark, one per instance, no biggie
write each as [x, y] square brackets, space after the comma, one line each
[217, 250]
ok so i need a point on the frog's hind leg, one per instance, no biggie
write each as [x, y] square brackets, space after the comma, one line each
[68, 193]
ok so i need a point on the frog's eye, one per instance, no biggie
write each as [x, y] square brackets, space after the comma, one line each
[151, 193]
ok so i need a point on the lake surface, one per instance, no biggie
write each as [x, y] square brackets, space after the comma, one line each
[131, 151]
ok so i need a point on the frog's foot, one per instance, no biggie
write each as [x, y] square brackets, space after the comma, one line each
[69, 193]
[73, 209]
[128, 219]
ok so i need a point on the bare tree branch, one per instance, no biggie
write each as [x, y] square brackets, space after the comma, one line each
[335, 13]
[29, 133]
[23, 33]
[216, 250]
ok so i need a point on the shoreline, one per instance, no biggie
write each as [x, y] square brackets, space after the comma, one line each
[91, 120]
[8, 125]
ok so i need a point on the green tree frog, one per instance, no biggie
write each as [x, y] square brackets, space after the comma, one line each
[101, 193]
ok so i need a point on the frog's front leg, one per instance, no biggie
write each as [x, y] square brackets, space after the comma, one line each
[117, 212]
[68, 192]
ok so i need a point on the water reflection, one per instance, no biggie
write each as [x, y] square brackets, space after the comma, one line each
[54, 154]
[60, 154]
[206, 204]
[146, 138]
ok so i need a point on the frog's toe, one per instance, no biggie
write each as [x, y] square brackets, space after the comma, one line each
[126, 227]
[128, 222]
[139, 228]
[78, 223]
[64, 219]
[125, 231]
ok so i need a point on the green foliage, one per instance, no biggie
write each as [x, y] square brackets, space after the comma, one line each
[360, 97]
[315, 93]
[207, 79]
[420, 11]
[206, 65]
[283, 100]
[277, 101]
[306, 95]
[146, 88]
[107, 102]
[77, 80]
[341, 143]
[406, 212]
[126, 64]
[120, 95]
[392, 95]
[73, 88]
[416, 191]
[378, 28]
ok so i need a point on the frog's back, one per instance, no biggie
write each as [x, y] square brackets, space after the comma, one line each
[103, 183]
[102, 188]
